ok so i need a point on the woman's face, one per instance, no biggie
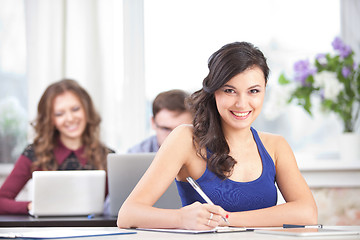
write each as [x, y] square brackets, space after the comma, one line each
[69, 117]
[240, 100]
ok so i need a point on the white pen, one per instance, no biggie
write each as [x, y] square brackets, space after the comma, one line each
[197, 187]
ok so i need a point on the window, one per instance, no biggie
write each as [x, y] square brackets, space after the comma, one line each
[13, 90]
[180, 36]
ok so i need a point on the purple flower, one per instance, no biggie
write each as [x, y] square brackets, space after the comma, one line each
[322, 94]
[303, 70]
[337, 44]
[345, 51]
[321, 58]
[340, 46]
[345, 71]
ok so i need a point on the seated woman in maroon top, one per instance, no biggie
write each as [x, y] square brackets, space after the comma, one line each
[67, 129]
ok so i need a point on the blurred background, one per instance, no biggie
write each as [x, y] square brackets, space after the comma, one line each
[124, 52]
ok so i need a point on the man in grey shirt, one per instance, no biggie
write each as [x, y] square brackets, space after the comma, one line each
[169, 111]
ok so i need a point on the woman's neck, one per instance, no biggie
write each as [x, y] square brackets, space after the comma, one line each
[238, 136]
[70, 143]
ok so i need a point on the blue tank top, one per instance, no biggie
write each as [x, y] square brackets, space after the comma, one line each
[235, 196]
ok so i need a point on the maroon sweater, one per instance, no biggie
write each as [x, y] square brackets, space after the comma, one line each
[67, 160]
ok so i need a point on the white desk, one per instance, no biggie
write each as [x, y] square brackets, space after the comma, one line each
[28, 221]
[147, 235]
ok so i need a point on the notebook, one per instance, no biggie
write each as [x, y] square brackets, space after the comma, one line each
[56, 233]
[214, 230]
[68, 193]
[124, 172]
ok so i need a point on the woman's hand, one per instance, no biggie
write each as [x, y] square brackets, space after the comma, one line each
[29, 206]
[202, 216]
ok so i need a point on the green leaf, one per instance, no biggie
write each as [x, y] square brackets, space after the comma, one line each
[282, 80]
[310, 79]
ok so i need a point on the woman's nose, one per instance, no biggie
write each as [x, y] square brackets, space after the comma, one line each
[240, 101]
[69, 116]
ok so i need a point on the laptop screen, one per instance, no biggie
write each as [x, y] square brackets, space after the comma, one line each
[125, 171]
[68, 193]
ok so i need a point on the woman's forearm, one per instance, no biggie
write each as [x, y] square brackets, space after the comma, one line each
[136, 215]
[287, 213]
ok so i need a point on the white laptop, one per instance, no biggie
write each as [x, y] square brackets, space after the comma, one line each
[124, 172]
[68, 193]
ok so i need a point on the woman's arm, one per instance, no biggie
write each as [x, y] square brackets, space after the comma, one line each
[13, 184]
[300, 207]
[174, 156]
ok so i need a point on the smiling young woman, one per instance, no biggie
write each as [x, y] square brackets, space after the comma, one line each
[240, 100]
[67, 129]
[235, 165]
[69, 119]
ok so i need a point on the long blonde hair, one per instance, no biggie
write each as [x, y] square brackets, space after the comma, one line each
[47, 135]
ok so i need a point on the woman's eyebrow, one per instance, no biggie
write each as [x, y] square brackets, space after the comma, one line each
[229, 86]
[254, 86]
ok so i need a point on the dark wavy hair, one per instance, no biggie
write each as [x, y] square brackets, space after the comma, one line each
[224, 64]
[46, 135]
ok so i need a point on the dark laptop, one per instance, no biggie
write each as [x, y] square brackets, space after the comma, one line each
[124, 172]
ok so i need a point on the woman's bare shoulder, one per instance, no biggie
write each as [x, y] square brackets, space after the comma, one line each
[184, 130]
[180, 136]
[271, 138]
[275, 144]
